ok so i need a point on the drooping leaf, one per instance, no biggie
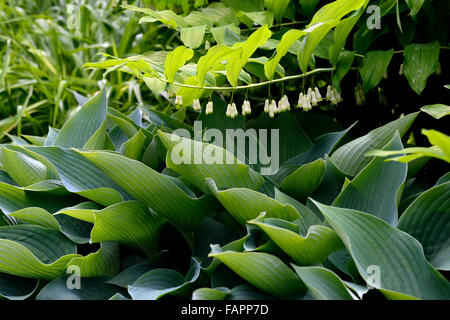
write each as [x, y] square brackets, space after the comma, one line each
[373, 67]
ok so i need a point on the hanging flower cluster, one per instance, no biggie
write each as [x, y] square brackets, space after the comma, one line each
[179, 100]
[246, 109]
[360, 98]
[232, 110]
[196, 105]
[333, 95]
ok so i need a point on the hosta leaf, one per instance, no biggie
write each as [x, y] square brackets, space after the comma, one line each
[374, 190]
[428, 220]
[421, 61]
[152, 188]
[303, 181]
[175, 60]
[196, 161]
[134, 147]
[16, 288]
[131, 274]
[34, 252]
[264, 271]
[91, 289]
[22, 168]
[404, 271]
[245, 204]
[36, 216]
[80, 127]
[374, 66]
[159, 282]
[312, 248]
[210, 294]
[81, 176]
[351, 158]
[129, 223]
[323, 283]
[437, 111]
[193, 37]
[101, 263]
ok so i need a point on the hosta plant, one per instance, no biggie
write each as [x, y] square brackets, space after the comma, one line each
[104, 209]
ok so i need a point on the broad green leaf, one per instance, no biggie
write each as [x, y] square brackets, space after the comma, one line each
[278, 7]
[192, 37]
[308, 6]
[287, 40]
[314, 36]
[374, 244]
[210, 294]
[374, 190]
[81, 176]
[343, 65]
[22, 168]
[341, 33]
[36, 216]
[244, 204]
[336, 10]
[323, 283]
[91, 289]
[99, 140]
[373, 67]
[236, 63]
[351, 157]
[312, 248]
[439, 139]
[427, 219]
[196, 161]
[264, 271]
[80, 127]
[134, 148]
[34, 252]
[437, 111]
[152, 188]
[415, 6]
[159, 282]
[303, 181]
[131, 274]
[101, 263]
[421, 61]
[175, 60]
[16, 288]
[129, 223]
[214, 56]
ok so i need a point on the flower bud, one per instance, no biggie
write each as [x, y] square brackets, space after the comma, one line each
[209, 108]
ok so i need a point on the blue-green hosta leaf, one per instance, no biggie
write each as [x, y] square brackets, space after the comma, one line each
[303, 181]
[175, 60]
[245, 204]
[129, 223]
[404, 273]
[90, 289]
[421, 61]
[81, 176]
[131, 274]
[241, 292]
[374, 66]
[36, 216]
[375, 189]
[34, 252]
[152, 188]
[16, 288]
[323, 283]
[219, 293]
[428, 220]
[351, 157]
[196, 161]
[312, 248]
[80, 127]
[22, 168]
[264, 271]
[437, 111]
[134, 147]
[104, 262]
[157, 283]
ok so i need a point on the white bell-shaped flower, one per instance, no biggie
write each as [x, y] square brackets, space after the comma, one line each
[273, 108]
[329, 95]
[196, 105]
[314, 101]
[318, 95]
[179, 100]
[266, 106]
[209, 108]
[246, 109]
